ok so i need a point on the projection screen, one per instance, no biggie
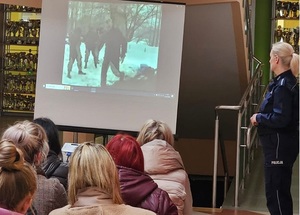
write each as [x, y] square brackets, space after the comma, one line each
[109, 65]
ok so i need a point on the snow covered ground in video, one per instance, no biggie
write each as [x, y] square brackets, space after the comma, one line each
[138, 55]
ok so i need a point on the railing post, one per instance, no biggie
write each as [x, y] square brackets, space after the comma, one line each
[215, 161]
[237, 170]
[75, 137]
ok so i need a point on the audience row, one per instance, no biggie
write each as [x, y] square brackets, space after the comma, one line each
[143, 175]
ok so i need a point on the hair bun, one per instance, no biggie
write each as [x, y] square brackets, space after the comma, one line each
[11, 158]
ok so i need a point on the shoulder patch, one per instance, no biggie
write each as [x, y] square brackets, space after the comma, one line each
[282, 82]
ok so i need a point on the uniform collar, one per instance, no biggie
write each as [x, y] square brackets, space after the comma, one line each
[282, 75]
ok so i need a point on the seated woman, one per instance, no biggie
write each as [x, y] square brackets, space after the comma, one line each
[164, 164]
[137, 188]
[93, 185]
[53, 165]
[17, 180]
[32, 140]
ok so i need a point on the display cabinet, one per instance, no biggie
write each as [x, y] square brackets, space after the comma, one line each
[286, 22]
[19, 58]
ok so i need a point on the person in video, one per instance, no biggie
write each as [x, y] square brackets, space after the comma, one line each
[75, 54]
[278, 127]
[91, 41]
[115, 51]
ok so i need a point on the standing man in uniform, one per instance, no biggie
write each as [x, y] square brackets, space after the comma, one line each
[115, 51]
[75, 53]
[91, 41]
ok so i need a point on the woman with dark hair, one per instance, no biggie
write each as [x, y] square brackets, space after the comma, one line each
[137, 188]
[53, 165]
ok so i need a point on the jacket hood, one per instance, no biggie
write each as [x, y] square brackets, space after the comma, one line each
[160, 157]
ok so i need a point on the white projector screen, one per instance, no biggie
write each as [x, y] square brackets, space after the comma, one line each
[109, 65]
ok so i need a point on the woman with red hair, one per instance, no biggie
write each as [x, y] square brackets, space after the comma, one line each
[137, 188]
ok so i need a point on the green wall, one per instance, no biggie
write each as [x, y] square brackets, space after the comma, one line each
[263, 34]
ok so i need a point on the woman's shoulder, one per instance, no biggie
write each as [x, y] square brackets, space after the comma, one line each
[51, 183]
[51, 188]
[126, 210]
[111, 209]
[86, 210]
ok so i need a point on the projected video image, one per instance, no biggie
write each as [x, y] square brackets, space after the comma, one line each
[110, 45]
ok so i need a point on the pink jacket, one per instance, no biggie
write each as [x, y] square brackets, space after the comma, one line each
[8, 212]
[94, 201]
[164, 164]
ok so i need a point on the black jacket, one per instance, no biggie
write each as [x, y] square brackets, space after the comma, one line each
[55, 168]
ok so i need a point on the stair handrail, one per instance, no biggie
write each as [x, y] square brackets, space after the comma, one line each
[247, 105]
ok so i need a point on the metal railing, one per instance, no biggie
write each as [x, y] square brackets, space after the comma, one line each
[245, 132]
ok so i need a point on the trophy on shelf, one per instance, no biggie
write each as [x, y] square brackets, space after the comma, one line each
[29, 61]
[7, 63]
[278, 9]
[22, 9]
[22, 56]
[34, 30]
[8, 82]
[13, 61]
[287, 35]
[11, 8]
[11, 31]
[34, 33]
[287, 9]
[19, 26]
[26, 32]
[295, 10]
[278, 33]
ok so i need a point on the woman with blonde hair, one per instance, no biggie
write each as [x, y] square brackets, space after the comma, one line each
[93, 186]
[164, 164]
[32, 140]
[17, 180]
[278, 128]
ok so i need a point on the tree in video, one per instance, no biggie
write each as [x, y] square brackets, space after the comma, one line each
[112, 45]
